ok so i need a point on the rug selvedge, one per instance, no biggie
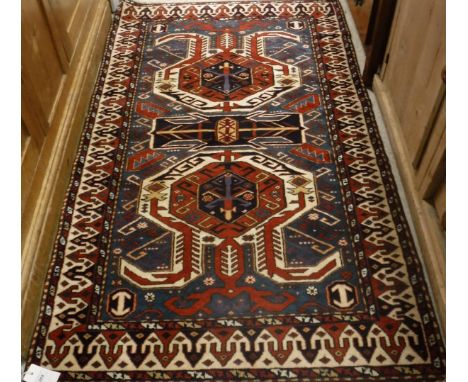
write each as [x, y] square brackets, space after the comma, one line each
[233, 207]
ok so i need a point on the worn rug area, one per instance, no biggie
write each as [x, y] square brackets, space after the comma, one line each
[232, 215]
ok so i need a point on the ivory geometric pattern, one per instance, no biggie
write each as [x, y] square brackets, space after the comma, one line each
[232, 214]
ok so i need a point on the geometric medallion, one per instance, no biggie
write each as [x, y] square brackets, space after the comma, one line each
[226, 78]
[226, 197]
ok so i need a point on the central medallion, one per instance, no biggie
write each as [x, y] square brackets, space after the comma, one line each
[227, 199]
[237, 74]
[228, 196]
[232, 201]
[226, 77]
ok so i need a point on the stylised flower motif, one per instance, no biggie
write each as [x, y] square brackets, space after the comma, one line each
[342, 242]
[142, 225]
[248, 196]
[207, 198]
[314, 216]
[312, 291]
[209, 281]
[150, 297]
[250, 279]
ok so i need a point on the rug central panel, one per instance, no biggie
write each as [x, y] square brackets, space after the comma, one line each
[229, 203]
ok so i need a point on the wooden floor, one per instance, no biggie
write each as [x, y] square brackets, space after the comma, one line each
[361, 15]
[62, 46]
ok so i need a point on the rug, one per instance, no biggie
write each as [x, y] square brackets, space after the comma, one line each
[232, 214]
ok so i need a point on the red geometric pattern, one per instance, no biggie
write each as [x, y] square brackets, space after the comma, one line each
[228, 74]
[226, 197]
[378, 322]
[226, 81]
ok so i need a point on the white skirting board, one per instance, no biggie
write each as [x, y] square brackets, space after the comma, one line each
[114, 4]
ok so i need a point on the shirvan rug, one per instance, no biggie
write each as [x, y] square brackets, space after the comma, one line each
[232, 214]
